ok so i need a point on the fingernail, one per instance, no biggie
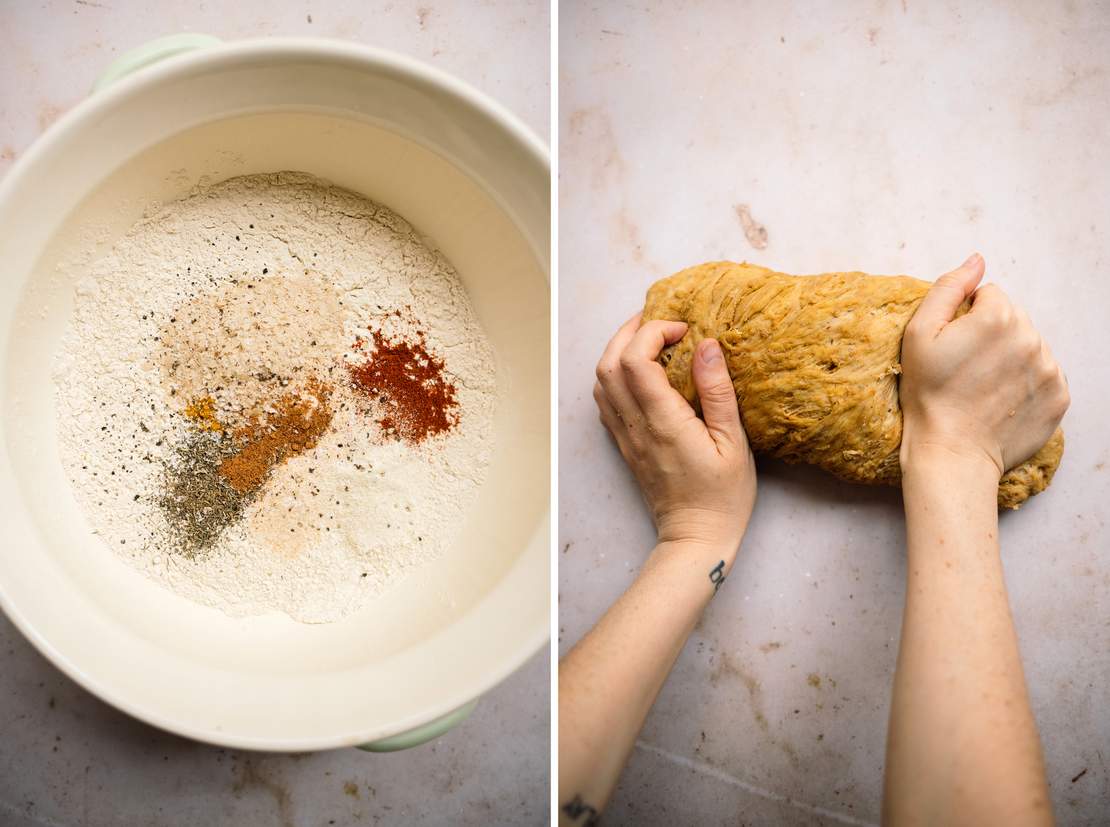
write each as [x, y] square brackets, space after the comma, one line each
[710, 351]
[972, 260]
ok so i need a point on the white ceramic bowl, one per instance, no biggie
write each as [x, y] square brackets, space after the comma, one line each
[466, 174]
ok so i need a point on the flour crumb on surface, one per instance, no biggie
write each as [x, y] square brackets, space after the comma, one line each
[273, 395]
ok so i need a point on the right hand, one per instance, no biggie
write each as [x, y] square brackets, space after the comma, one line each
[698, 477]
[983, 386]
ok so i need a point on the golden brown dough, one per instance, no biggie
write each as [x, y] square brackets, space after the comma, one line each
[815, 364]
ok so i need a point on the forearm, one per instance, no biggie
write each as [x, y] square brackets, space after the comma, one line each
[963, 746]
[609, 681]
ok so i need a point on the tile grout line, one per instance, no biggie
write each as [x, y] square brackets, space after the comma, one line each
[720, 775]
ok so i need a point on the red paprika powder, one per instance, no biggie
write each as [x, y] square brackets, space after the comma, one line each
[409, 383]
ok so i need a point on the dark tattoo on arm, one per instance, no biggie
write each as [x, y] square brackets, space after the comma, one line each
[717, 576]
[578, 808]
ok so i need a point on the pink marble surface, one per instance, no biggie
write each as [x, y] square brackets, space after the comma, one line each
[892, 137]
[68, 759]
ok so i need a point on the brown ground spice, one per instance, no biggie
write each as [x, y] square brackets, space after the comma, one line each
[295, 426]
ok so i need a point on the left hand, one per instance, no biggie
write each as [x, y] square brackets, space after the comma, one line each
[698, 477]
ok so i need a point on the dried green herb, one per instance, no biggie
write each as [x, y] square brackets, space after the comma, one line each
[197, 500]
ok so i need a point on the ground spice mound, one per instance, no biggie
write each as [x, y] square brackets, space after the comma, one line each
[197, 501]
[203, 412]
[291, 426]
[409, 382]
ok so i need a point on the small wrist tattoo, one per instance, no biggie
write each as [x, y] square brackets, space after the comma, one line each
[577, 808]
[717, 576]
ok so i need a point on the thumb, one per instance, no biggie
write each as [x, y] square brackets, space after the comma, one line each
[715, 392]
[948, 293]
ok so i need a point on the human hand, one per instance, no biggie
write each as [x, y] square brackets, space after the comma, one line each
[698, 477]
[983, 386]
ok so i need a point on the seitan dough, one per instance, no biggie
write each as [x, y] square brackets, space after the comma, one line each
[815, 364]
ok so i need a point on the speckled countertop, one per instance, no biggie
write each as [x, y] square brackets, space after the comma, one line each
[68, 759]
[892, 137]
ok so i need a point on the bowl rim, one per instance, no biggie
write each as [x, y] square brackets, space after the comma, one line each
[356, 54]
[227, 54]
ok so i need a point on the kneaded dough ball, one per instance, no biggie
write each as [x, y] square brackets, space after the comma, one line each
[815, 364]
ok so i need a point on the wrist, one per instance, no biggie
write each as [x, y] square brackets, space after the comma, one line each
[702, 566]
[701, 533]
[963, 473]
[696, 549]
[950, 450]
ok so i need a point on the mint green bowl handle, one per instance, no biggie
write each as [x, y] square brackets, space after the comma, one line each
[422, 734]
[150, 53]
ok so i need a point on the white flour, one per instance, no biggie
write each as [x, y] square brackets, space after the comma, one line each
[236, 297]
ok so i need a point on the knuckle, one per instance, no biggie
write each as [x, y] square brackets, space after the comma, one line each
[985, 297]
[634, 440]
[604, 370]
[915, 337]
[1050, 373]
[995, 319]
[662, 432]
[996, 291]
[719, 392]
[629, 363]
[1063, 401]
[1030, 346]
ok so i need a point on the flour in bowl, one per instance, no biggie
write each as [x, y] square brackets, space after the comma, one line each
[274, 395]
